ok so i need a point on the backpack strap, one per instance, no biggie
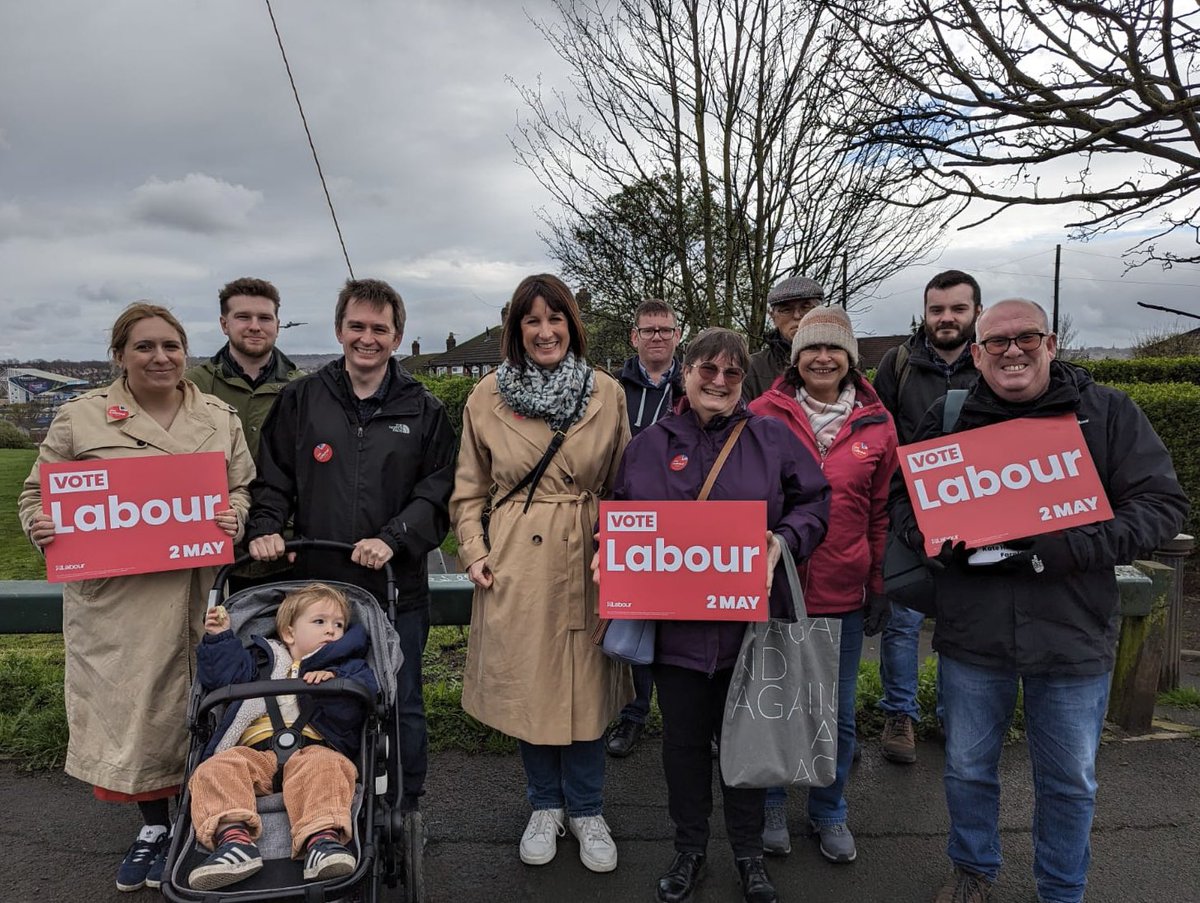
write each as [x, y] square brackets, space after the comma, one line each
[954, 406]
[900, 368]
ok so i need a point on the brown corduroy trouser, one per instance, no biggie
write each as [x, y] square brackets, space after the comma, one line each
[318, 788]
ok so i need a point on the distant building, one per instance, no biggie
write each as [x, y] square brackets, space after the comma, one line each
[476, 356]
[40, 392]
[26, 385]
[872, 348]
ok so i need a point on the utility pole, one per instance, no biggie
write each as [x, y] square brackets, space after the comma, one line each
[845, 285]
[1057, 268]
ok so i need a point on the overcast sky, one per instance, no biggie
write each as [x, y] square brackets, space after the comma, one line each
[153, 150]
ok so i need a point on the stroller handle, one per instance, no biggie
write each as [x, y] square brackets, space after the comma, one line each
[254, 689]
[298, 545]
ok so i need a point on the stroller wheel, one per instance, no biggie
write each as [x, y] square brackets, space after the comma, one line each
[414, 858]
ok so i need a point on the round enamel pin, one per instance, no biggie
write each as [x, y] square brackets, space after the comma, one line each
[117, 412]
[679, 462]
[323, 452]
[859, 449]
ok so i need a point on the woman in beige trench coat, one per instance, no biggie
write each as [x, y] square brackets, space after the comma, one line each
[532, 670]
[130, 640]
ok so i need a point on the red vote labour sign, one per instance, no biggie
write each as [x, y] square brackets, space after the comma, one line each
[135, 515]
[1006, 481]
[688, 561]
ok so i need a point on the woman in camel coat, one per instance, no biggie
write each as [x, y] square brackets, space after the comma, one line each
[130, 640]
[532, 670]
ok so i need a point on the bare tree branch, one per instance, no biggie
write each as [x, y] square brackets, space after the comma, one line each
[720, 128]
[996, 89]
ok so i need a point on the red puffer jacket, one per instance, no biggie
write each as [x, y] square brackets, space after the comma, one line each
[859, 466]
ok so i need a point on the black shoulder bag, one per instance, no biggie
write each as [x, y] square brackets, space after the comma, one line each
[534, 476]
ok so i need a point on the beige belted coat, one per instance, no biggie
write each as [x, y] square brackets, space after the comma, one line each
[532, 670]
[130, 641]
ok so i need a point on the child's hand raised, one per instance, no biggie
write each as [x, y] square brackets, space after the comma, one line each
[216, 620]
[317, 677]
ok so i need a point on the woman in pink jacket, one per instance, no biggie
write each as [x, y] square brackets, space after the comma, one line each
[837, 415]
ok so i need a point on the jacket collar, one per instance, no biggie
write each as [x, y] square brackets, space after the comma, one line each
[126, 415]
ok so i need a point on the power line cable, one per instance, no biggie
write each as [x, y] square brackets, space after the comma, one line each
[311, 146]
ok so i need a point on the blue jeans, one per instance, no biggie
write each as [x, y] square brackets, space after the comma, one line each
[643, 686]
[1063, 719]
[413, 628]
[565, 777]
[899, 662]
[827, 805]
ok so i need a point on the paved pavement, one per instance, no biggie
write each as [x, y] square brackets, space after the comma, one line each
[60, 844]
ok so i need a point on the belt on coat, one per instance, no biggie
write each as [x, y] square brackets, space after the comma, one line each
[578, 578]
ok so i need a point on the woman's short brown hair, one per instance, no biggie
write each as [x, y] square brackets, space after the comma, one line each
[558, 298]
[711, 343]
[134, 313]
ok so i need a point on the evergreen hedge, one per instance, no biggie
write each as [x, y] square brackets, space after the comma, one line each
[452, 391]
[1174, 411]
[1145, 370]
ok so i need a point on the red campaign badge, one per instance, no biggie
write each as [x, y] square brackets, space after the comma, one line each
[679, 462]
[323, 452]
[859, 449]
[117, 412]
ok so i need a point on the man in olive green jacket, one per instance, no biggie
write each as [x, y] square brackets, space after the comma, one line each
[249, 370]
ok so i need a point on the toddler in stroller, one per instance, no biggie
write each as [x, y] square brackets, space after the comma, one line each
[315, 643]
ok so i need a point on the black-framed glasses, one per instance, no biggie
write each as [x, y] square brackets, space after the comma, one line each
[656, 332]
[708, 372]
[1026, 341]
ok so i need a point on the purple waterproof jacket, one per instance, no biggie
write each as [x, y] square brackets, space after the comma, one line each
[768, 462]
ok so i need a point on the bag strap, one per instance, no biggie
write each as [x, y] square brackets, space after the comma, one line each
[954, 405]
[720, 462]
[534, 476]
[793, 579]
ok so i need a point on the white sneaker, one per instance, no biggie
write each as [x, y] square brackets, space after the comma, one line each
[539, 843]
[596, 848]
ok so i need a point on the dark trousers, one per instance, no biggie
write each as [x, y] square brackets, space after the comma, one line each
[413, 628]
[693, 706]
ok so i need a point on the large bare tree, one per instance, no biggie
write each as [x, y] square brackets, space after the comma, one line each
[727, 119]
[999, 89]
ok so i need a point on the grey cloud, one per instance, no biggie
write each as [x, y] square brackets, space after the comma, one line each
[195, 203]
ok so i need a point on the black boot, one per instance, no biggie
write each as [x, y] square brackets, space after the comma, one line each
[756, 883]
[680, 881]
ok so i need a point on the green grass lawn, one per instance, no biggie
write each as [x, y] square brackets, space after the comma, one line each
[18, 558]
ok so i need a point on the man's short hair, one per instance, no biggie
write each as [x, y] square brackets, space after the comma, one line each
[247, 285]
[951, 278]
[652, 306]
[376, 294]
[299, 601]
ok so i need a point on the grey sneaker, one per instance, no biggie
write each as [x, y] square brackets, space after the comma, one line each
[776, 841]
[837, 843]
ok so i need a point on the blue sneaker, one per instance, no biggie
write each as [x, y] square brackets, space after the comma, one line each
[158, 866]
[227, 864]
[328, 859]
[151, 843]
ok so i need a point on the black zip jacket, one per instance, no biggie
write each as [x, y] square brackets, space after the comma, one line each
[1063, 622]
[388, 478]
[925, 383]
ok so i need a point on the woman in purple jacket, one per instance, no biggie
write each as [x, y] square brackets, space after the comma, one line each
[694, 660]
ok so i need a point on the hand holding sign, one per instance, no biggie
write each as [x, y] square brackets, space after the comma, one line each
[42, 530]
[227, 521]
[773, 555]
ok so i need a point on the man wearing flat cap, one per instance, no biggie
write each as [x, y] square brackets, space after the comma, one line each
[787, 303]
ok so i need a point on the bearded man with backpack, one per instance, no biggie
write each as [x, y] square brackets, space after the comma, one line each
[910, 378]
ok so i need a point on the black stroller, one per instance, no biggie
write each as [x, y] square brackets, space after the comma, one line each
[388, 845]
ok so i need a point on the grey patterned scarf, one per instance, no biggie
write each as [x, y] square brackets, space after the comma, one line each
[550, 395]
